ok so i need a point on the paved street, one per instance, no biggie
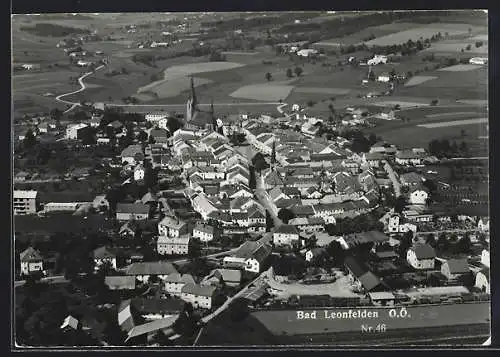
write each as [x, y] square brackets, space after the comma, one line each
[57, 279]
[394, 179]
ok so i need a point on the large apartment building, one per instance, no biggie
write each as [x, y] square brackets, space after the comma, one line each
[25, 202]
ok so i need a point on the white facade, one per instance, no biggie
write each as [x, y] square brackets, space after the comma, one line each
[198, 301]
[478, 60]
[25, 202]
[72, 131]
[30, 267]
[418, 197]
[100, 261]
[482, 282]
[252, 265]
[485, 258]
[377, 59]
[155, 117]
[419, 263]
[285, 238]
[139, 173]
[383, 78]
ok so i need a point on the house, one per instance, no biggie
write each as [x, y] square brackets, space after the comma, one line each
[230, 277]
[205, 232]
[31, 261]
[286, 234]
[75, 131]
[175, 282]
[382, 298]
[483, 280]
[360, 276]
[250, 256]
[173, 246]
[484, 224]
[132, 154]
[203, 206]
[147, 332]
[144, 270]
[314, 253]
[100, 203]
[421, 256]
[132, 211]
[25, 202]
[418, 195]
[311, 224]
[453, 269]
[172, 227]
[70, 323]
[384, 77]
[139, 173]
[155, 117]
[200, 296]
[396, 226]
[478, 60]
[485, 258]
[104, 255]
[409, 157]
[411, 179]
[120, 282]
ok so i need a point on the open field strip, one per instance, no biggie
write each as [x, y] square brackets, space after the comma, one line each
[335, 91]
[454, 123]
[456, 47]
[403, 104]
[461, 68]
[438, 115]
[239, 53]
[481, 37]
[263, 92]
[415, 33]
[414, 81]
[473, 101]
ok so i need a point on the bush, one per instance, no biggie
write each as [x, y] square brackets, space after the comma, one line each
[434, 102]
[479, 44]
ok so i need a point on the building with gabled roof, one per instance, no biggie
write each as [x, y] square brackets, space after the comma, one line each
[120, 282]
[286, 234]
[132, 211]
[31, 261]
[104, 255]
[454, 269]
[174, 283]
[144, 270]
[172, 227]
[421, 256]
[200, 296]
[361, 277]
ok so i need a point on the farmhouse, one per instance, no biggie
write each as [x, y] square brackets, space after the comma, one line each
[230, 277]
[144, 270]
[409, 157]
[478, 60]
[25, 202]
[75, 131]
[485, 258]
[418, 195]
[250, 256]
[309, 52]
[172, 227]
[286, 234]
[483, 280]
[421, 256]
[104, 255]
[453, 269]
[484, 224]
[132, 154]
[360, 276]
[205, 232]
[132, 211]
[175, 282]
[31, 261]
[173, 246]
[120, 282]
[384, 77]
[200, 296]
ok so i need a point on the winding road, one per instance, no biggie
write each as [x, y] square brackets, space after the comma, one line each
[82, 88]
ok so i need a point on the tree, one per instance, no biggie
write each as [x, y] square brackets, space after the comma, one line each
[468, 47]
[336, 252]
[431, 240]
[442, 242]
[238, 310]
[56, 114]
[298, 71]
[259, 162]
[400, 204]
[269, 76]
[409, 74]
[464, 148]
[372, 139]
[173, 125]
[289, 73]
[405, 243]
[285, 215]
[29, 140]
[371, 75]
[464, 245]
[434, 102]
[143, 136]
[331, 108]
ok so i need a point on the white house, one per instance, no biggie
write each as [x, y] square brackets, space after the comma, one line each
[200, 296]
[418, 196]
[173, 246]
[31, 261]
[72, 130]
[175, 282]
[483, 280]
[307, 52]
[485, 258]
[395, 226]
[139, 173]
[155, 117]
[172, 227]
[103, 255]
[421, 256]
[286, 234]
[205, 232]
[384, 77]
[484, 224]
[478, 60]
[377, 59]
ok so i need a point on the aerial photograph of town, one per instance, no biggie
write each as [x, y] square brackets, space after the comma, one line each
[225, 179]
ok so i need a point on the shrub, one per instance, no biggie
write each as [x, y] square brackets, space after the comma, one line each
[479, 43]
[434, 102]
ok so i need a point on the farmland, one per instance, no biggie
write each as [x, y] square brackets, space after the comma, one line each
[419, 80]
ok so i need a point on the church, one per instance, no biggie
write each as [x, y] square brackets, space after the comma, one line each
[195, 118]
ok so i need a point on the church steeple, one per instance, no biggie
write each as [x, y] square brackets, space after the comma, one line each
[214, 118]
[192, 104]
[273, 154]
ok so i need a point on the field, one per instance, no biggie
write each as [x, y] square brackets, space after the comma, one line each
[448, 124]
[414, 81]
[461, 68]
[414, 34]
[263, 92]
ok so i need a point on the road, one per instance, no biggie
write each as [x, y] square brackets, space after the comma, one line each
[82, 88]
[226, 304]
[57, 279]
[394, 179]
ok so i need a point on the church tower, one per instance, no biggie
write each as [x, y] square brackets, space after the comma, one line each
[192, 103]
[212, 114]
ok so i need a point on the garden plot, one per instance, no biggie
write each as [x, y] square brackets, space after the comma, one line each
[171, 87]
[416, 80]
[461, 68]
[456, 47]
[263, 92]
